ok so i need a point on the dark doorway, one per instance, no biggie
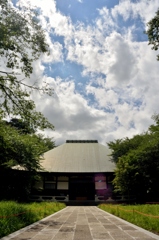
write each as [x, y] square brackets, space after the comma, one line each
[81, 188]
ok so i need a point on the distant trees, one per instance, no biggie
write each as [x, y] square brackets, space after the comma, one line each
[137, 164]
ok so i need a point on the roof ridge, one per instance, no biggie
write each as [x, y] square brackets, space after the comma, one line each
[81, 141]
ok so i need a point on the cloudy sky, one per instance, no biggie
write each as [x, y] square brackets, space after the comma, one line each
[103, 72]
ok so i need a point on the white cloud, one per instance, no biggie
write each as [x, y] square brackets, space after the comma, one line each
[105, 21]
[70, 112]
[56, 54]
[48, 8]
[106, 98]
[123, 61]
[143, 9]
[124, 98]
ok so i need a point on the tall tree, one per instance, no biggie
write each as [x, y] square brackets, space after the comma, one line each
[20, 149]
[137, 164]
[121, 147]
[22, 41]
[20, 155]
[21, 125]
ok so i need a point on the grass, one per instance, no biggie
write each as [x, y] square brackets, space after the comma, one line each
[145, 216]
[14, 216]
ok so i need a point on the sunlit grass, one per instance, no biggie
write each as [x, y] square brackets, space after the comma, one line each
[14, 216]
[145, 216]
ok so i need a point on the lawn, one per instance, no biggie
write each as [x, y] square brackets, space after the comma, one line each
[145, 216]
[14, 216]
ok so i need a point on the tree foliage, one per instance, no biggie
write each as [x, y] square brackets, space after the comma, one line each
[22, 41]
[20, 153]
[137, 164]
[153, 32]
[21, 125]
[20, 149]
[121, 147]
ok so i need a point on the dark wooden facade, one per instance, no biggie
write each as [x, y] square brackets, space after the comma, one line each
[73, 187]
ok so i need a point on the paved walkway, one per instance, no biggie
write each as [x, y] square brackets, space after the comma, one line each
[81, 222]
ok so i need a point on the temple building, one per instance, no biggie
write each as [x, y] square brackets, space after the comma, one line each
[79, 170]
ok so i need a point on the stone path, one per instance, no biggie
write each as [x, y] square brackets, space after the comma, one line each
[81, 222]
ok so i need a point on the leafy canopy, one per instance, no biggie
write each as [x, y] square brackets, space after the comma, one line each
[137, 163]
[22, 41]
[18, 148]
[153, 32]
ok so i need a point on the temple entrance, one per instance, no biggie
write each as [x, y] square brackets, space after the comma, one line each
[81, 188]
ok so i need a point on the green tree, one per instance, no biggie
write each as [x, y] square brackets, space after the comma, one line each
[22, 41]
[153, 32]
[137, 164]
[47, 141]
[23, 128]
[121, 147]
[17, 149]
[21, 125]
[20, 155]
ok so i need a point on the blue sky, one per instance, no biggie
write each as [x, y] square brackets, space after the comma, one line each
[104, 73]
[83, 11]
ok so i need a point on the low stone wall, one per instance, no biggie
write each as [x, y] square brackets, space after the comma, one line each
[40, 198]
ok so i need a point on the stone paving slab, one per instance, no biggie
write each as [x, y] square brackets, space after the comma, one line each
[81, 222]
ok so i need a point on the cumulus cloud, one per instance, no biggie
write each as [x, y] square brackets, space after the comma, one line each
[123, 60]
[129, 9]
[70, 112]
[121, 93]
